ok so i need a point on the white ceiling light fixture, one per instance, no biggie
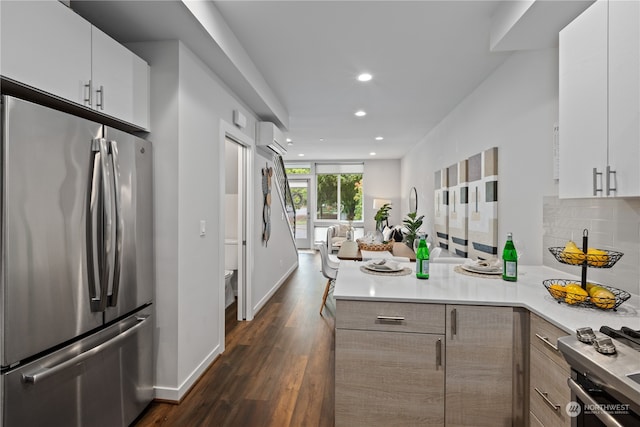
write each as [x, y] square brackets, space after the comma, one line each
[321, 139]
[360, 113]
[288, 139]
[379, 138]
[300, 155]
[364, 77]
[372, 153]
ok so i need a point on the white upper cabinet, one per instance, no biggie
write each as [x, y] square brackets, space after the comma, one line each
[600, 102]
[46, 46]
[49, 47]
[120, 80]
[624, 97]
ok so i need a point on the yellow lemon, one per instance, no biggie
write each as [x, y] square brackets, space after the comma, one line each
[557, 290]
[593, 288]
[575, 294]
[597, 257]
[603, 298]
[571, 254]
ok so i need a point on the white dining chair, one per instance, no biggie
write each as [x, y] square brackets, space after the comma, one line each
[329, 271]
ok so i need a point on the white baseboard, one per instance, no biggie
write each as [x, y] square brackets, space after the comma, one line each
[273, 290]
[175, 395]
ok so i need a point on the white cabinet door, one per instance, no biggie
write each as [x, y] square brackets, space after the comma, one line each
[112, 76]
[120, 80]
[583, 102]
[624, 97]
[47, 46]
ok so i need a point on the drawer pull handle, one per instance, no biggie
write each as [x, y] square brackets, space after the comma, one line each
[545, 396]
[454, 322]
[391, 318]
[547, 342]
[438, 353]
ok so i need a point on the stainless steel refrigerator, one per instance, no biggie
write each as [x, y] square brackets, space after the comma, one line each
[77, 270]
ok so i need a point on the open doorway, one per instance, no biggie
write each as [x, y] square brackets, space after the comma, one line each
[300, 193]
[235, 229]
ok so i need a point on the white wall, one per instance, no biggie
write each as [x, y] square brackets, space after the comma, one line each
[273, 262]
[514, 109]
[381, 181]
[188, 105]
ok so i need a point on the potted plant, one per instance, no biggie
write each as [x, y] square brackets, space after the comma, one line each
[412, 223]
[382, 216]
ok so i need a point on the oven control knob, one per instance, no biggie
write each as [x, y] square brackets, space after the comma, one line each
[604, 346]
[585, 335]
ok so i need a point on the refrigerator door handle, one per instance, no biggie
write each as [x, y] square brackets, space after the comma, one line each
[112, 300]
[45, 372]
[95, 234]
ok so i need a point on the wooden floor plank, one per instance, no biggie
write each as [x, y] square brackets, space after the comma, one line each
[277, 370]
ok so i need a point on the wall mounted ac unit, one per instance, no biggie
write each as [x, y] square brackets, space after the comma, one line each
[269, 136]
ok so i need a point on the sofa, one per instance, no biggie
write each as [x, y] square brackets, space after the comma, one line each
[336, 234]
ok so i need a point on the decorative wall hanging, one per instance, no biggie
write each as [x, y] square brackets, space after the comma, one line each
[483, 204]
[466, 206]
[441, 215]
[458, 203]
[267, 173]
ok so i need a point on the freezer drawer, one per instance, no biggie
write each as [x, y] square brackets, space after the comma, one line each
[104, 380]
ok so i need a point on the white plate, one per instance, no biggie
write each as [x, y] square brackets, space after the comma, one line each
[482, 270]
[388, 267]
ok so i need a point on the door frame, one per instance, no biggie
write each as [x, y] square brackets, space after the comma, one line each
[245, 226]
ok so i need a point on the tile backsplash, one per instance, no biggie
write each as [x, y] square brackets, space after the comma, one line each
[613, 224]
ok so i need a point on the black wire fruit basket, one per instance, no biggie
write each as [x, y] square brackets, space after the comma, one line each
[602, 259]
[602, 297]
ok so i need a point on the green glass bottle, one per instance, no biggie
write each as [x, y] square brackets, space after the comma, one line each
[509, 260]
[422, 260]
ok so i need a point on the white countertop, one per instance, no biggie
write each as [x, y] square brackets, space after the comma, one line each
[445, 286]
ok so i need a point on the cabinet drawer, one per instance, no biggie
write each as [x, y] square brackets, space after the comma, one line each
[548, 390]
[544, 337]
[390, 316]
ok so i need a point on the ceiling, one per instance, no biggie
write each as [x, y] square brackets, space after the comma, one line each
[425, 57]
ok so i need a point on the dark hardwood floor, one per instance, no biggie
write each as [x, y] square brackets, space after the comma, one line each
[277, 370]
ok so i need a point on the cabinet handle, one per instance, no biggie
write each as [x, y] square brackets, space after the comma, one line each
[438, 353]
[547, 342]
[545, 396]
[595, 181]
[454, 321]
[87, 98]
[100, 104]
[608, 180]
[391, 318]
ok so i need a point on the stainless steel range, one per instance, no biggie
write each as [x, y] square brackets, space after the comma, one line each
[605, 376]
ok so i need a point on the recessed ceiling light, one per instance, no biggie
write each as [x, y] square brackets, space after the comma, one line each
[360, 113]
[364, 77]
[372, 153]
[321, 139]
[300, 155]
[288, 139]
[289, 143]
[379, 138]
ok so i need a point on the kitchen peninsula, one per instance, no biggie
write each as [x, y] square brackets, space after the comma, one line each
[406, 346]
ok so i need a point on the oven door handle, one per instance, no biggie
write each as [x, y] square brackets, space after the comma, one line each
[603, 416]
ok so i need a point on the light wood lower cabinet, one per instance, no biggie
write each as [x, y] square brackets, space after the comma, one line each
[389, 378]
[396, 365]
[548, 390]
[479, 389]
[389, 364]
